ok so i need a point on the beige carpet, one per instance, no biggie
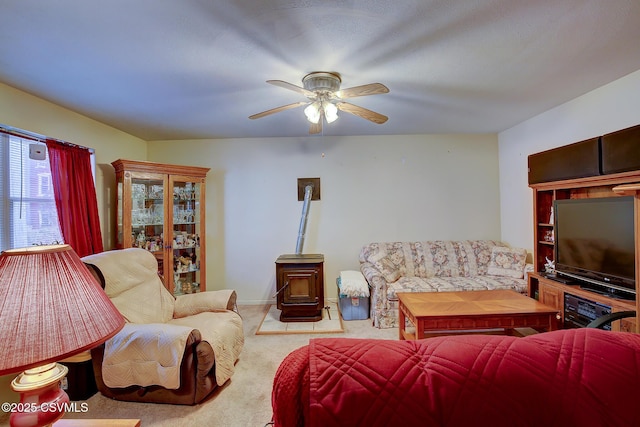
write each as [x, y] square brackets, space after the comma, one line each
[331, 323]
[245, 401]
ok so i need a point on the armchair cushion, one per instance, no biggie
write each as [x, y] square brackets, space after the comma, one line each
[145, 355]
[136, 290]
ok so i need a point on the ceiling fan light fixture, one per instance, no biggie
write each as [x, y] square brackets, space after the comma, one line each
[313, 112]
[330, 111]
[325, 98]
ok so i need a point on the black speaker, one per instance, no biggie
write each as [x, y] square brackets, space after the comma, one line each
[621, 150]
[80, 383]
[577, 160]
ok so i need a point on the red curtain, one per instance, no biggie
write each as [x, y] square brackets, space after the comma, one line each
[75, 196]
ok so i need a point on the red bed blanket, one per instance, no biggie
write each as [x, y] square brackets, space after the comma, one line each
[577, 377]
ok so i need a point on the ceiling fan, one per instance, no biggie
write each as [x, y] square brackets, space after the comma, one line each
[325, 98]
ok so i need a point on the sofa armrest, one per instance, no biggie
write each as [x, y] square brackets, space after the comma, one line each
[97, 353]
[146, 354]
[197, 376]
[190, 304]
[376, 280]
[370, 272]
[205, 378]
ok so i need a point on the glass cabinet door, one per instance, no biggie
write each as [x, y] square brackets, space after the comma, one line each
[186, 234]
[147, 227]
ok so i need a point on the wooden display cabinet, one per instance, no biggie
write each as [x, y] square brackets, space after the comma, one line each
[161, 208]
[551, 292]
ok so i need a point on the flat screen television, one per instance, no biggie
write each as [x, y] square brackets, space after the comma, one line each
[594, 244]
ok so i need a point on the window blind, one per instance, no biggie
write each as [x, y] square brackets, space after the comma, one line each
[28, 215]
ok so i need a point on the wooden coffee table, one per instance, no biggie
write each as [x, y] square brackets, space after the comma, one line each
[442, 312]
[96, 423]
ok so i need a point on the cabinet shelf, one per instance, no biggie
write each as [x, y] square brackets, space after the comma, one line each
[187, 272]
[177, 248]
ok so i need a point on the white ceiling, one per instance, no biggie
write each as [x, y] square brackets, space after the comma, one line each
[181, 69]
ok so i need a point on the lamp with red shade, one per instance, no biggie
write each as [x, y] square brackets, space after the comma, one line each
[51, 308]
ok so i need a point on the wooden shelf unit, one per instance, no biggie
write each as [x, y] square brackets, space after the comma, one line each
[544, 194]
[161, 208]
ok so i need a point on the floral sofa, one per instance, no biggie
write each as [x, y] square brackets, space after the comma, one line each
[437, 266]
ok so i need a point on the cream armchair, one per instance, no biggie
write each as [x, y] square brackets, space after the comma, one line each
[172, 350]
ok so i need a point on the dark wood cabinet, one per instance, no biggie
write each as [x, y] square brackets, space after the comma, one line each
[551, 292]
[300, 287]
[551, 296]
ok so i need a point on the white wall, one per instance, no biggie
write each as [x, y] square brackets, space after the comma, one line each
[383, 188]
[21, 110]
[609, 108]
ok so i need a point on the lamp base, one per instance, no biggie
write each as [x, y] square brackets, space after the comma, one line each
[42, 401]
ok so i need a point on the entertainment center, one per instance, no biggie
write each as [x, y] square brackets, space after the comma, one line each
[587, 222]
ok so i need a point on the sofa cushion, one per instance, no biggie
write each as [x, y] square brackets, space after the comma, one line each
[431, 258]
[574, 377]
[451, 284]
[507, 262]
[388, 269]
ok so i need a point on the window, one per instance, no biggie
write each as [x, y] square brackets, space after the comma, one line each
[45, 186]
[28, 214]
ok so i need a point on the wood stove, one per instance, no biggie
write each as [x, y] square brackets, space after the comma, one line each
[300, 287]
[299, 277]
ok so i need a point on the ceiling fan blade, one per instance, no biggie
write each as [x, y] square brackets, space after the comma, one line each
[362, 112]
[364, 90]
[278, 109]
[287, 85]
[315, 127]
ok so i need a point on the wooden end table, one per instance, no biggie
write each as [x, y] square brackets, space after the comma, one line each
[442, 312]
